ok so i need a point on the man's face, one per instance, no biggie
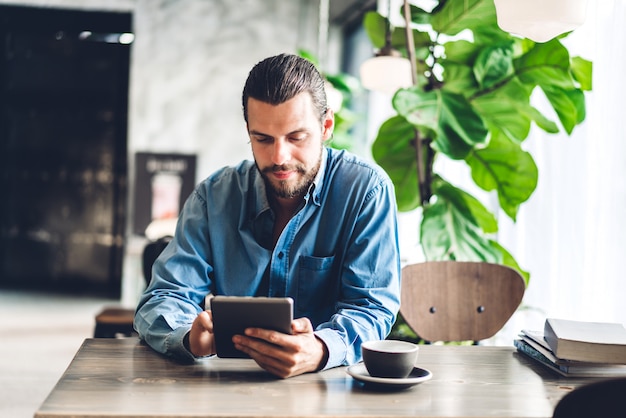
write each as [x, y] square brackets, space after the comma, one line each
[286, 141]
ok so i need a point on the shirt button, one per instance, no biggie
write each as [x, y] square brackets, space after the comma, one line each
[281, 255]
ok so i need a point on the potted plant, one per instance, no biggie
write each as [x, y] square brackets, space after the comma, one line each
[471, 103]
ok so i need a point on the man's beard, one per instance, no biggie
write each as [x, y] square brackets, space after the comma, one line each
[283, 189]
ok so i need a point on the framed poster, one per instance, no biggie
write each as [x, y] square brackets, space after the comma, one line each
[162, 184]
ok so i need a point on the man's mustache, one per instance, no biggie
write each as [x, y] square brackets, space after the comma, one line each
[283, 167]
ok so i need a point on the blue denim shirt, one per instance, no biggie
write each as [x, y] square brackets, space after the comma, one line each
[338, 257]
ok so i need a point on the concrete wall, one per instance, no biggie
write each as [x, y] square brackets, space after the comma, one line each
[189, 61]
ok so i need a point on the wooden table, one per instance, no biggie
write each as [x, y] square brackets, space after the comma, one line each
[125, 378]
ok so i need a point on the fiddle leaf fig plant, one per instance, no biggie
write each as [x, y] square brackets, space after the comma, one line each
[471, 103]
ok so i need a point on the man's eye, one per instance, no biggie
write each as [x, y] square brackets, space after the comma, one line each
[262, 139]
[297, 138]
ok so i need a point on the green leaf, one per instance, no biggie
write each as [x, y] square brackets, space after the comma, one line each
[398, 38]
[418, 107]
[458, 128]
[456, 16]
[484, 219]
[503, 166]
[568, 104]
[461, 52]
[309, 56]
[578, 98]
[344, 82]
[582, 71]
[450, 232]
[458, 121]
[457, 66]
[375, 26]
[540, 119]
[490, 33]
[547, 65]
[418, 15]
[507, 109]
[459, 79]
[508, 260]
[494, 64]
[421, 39]
[394, 151]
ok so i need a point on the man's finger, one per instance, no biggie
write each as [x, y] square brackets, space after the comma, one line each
[205, 319]
[301, 325]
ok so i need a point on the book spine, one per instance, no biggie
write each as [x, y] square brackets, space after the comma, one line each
[550, 336]
[531, 352]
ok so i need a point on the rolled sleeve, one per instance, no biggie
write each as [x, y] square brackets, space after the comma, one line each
[336, 347]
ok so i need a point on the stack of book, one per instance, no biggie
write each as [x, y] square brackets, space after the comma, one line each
[577, 348]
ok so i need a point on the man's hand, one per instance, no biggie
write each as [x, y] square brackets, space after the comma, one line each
[201, 338]
[282, 354]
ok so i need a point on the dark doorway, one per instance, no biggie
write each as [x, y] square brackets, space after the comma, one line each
[63, 148]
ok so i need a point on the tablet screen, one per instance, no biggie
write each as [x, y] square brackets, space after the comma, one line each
[233, 314]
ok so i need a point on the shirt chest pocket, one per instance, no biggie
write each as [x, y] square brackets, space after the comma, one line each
[318, 288]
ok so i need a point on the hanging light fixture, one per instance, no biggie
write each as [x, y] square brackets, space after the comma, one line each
[388, 71]
[540, 20]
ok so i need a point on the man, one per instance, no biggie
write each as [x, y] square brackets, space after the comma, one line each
[303, 221]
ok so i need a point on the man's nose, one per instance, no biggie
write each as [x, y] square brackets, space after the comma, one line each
[281, 153]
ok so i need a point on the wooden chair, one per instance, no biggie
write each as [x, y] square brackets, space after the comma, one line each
[459, 301]
[114, 321]
[604, 398]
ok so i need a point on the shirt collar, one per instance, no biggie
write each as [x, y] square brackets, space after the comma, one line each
[316, 188]
[261, 203]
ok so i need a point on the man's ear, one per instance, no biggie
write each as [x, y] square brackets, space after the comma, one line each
[328, 125]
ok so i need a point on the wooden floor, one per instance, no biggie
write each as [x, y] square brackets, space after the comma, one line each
[39, 335]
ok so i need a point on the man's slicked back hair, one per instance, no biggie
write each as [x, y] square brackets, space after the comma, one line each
[280, 78]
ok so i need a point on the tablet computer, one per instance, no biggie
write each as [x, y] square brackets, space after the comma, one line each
[233, 314]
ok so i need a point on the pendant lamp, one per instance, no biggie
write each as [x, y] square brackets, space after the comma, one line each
[540, 20]
[388, 71]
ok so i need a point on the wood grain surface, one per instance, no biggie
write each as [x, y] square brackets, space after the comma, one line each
[125, 378]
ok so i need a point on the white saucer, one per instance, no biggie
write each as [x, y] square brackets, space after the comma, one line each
[359, 372]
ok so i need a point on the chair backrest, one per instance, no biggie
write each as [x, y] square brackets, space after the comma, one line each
[459, 301]
[151, 251]
[604, 398]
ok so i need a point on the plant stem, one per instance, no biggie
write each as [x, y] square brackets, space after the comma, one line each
[410, 45]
